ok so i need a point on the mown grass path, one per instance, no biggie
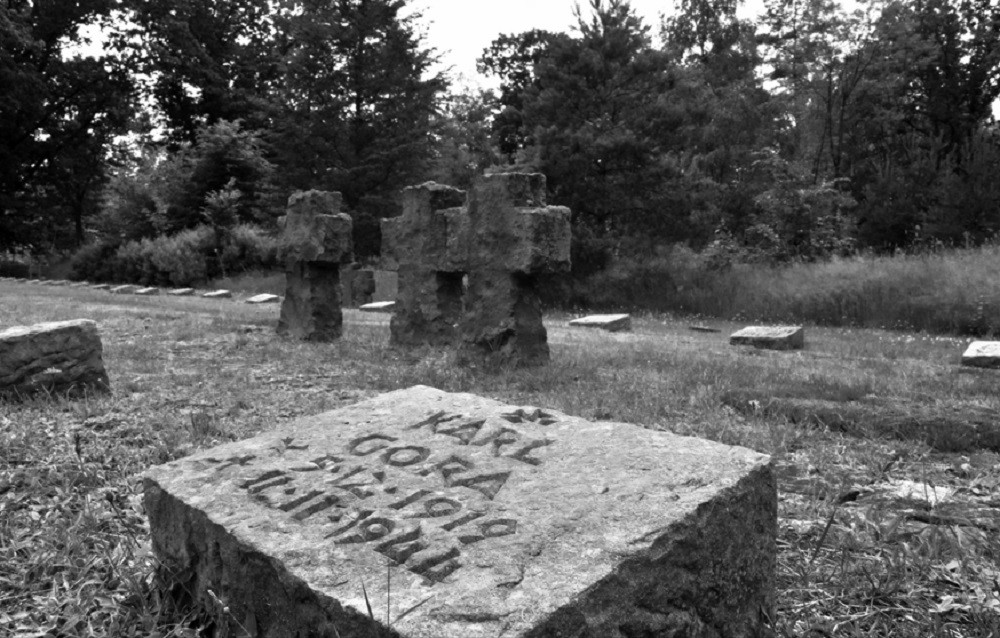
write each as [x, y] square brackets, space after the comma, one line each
[889, 471]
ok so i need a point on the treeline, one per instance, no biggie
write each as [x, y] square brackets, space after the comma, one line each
[809, 133]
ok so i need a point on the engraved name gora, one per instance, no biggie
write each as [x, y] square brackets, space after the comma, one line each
[356, 491]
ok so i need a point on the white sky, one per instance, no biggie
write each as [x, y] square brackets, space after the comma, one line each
[461, 29]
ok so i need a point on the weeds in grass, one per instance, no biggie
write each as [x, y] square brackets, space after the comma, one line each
[74, 547]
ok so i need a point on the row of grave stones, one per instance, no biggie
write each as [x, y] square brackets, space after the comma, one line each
[468, 265]
[144, 291]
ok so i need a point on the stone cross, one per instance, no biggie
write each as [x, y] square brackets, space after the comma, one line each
[428, 242]
[500, 241]
[315, 242]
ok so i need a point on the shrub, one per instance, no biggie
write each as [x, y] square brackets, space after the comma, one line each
[94, 262]
[180, 259]
[248, 247]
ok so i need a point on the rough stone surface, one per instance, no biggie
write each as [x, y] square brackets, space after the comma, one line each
[362, 287]
[147, 292]
[79, 284]
[611, 323]
[316, 240]
[181, 292]
[487, 520]
[516, 239]
[62, 356]
[770, 338]
[218, 294]
[982, 354]
[263, 298]
[378, 306]
[429, 243]
[467, 274]
[127, 289]
[101, 286]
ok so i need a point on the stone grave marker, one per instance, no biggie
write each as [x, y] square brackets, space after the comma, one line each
[263, 298]
[101, 286]
[982, 354]
[611, 323]
[517, 237]
[459, 516]
[147, 292]
[477, 288]
[62, 356]
[218, 294]
[181, 292]
[79, 284]
[127, 289]
[378, 306]
[429, 242]
[770, 337]
[315, 241]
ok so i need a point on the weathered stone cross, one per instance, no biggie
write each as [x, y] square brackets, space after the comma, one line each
[502, 240]
[315, 242]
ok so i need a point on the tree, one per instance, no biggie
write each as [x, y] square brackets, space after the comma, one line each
[357, 106]
[465, 146]
[210, 60]
[59, 114]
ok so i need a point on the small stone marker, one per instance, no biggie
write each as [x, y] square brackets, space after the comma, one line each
[101, 286]
[218, 294]
[982, 354]
[379, 306]
[611, 323]
[263, 298]
[487, 520]
[181, 292]
[147, 292]
[770, 337]
[63, 356]
[315, 241]
[79, 284]
[708, 329]
[127, 289]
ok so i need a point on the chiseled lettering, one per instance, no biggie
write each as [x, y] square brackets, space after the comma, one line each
[434, 421]
[464, 432]
[491, 529]
[486, 484]
[522, 454]
[437, 568]
[400, 548]
[439, 508]
[499, 438]
[354, 445]
[406, 455]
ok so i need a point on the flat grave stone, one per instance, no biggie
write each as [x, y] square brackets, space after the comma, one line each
[706, 329]
[218, 294]
[181, 292]
[378, 306]
[79, 284]
[611, 323]
[101, 286]
[982, 354]
[770, 337]
[147, 292]
[60, 356]
[263, 298]
[457, 516]
[127, 289]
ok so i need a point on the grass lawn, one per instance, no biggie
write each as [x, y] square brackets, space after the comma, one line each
[886, 450]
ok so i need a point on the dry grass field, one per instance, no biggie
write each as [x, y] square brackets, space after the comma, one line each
[886, 451]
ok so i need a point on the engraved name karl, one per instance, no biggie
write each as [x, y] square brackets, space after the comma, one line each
[396, 530]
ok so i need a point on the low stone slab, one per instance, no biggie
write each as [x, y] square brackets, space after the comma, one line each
[62, 356]
[127, 289]
[611, 323]
[706, 329]
[770, 337]
[486, 519]
[181, 292]
[264, 298]
[147, 292]
[79, 284]
[101, 286]
[378, 306]
[982, 354]
[218, 294]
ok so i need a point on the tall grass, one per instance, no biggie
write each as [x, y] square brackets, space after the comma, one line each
[955, 291]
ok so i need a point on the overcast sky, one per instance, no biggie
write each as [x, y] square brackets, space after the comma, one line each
[461, 29]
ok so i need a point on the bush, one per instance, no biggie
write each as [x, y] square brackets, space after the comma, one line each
[180, 259]
[94, 262]
[247, 247]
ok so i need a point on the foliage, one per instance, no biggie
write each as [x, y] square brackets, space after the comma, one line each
[185, 258]
[59, 114]
[466, 147]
